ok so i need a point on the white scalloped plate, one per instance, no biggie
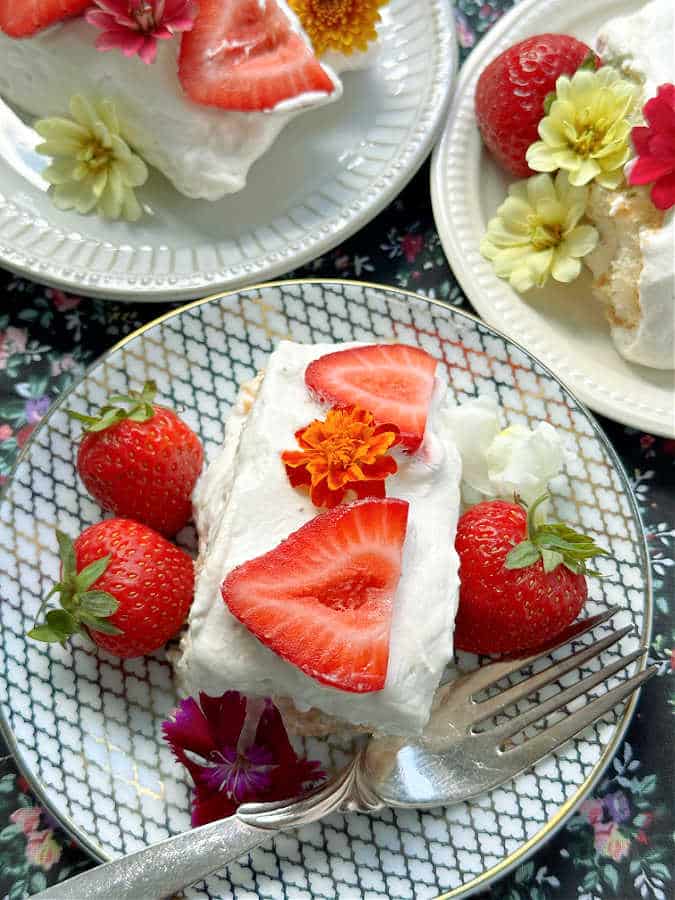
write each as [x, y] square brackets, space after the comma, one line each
[329, 173]
[563, 325]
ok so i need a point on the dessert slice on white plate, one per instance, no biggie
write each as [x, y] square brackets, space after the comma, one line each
[213, 102]
[634, 264]
[343, 613]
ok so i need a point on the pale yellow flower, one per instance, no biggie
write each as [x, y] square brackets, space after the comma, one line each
[536, 232]
[92, 166]
[587, 129]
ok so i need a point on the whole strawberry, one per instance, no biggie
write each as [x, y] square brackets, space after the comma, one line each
[521, 583]
[140, 461]
[512, 91]
[121, 583]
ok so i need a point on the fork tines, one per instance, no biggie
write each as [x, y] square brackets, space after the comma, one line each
[524, 754]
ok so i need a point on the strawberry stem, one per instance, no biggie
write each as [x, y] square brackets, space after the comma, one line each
[555, 544]
[136, 406]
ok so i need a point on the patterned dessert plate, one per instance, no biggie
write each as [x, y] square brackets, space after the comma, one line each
[85, 727]
[329, 173]
[564, 326]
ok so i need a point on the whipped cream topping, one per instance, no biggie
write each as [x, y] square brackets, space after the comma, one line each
[642, 47]
[205, 152]
[245, 506]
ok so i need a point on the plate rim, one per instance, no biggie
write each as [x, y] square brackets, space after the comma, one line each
[446, 225]
[557, 821]
[196, 285]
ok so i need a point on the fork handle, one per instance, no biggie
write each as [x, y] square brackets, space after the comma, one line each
[165, 868]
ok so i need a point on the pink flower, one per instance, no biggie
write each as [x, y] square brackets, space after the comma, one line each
[655, 147]
[12, 341]
[24, 434]
[618, 844]
[42, 849]
[28, 818]
[412, 245]
[593, 810]
[610, 841]
[63, 364]
[5, 434]
[236, 751]
[601, 831]
[63, 302]
[135, 26]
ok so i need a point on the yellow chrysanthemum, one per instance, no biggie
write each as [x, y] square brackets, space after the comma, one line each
[587, 129]
[339, 25]
[536, 232]
[92, 166]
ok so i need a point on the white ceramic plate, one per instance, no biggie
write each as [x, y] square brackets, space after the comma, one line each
[329, 173]
[562, 325]
[86, 727]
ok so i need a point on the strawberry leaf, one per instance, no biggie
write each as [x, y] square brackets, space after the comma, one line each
[549, 100]
[67, 555]
[551, 559]
[522, 555]
[62, 623]
[590, 62]
[79, 606]
[91, 573]
[98, 603]
[45, 633]
[96, 623]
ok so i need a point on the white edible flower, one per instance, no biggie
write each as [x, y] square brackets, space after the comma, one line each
[92, 166]
[498, 463]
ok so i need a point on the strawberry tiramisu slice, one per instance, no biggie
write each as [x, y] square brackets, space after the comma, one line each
[327, 575]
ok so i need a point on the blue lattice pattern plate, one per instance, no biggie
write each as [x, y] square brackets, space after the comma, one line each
[85, 726]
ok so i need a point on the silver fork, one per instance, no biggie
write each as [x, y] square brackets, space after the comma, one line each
[460, 755]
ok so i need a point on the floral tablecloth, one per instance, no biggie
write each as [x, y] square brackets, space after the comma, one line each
[620, 842]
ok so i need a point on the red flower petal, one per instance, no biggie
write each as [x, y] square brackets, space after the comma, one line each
[225, 716]
[648, 169]
[663, 145]
[271, 733]
[659, 113]
[364, 489]
[663, 192]
[209, 807]
[640, 137]
[189, 730]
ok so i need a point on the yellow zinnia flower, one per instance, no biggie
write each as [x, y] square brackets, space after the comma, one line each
[536, 232]
[92, 166]
[339, 25]
[587, 131]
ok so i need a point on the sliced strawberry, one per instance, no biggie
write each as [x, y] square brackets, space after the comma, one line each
[393, 381]
[323, 598]
[244, 55]
[20, 18]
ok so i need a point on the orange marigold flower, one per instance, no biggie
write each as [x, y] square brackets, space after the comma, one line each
[346, 452]
[339, 25]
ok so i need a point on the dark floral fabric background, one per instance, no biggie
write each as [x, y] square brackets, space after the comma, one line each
[620, 841]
